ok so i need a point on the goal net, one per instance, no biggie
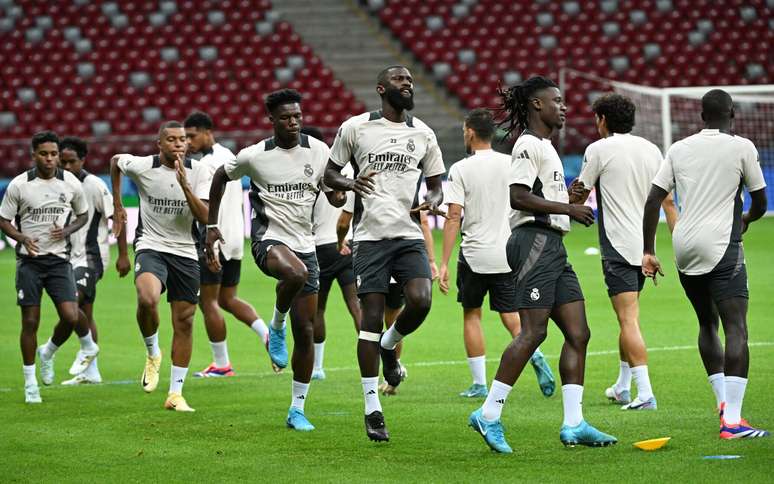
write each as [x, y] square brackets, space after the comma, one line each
[666, 115]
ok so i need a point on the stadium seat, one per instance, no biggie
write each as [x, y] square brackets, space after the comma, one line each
[646, 42]
[142, 62]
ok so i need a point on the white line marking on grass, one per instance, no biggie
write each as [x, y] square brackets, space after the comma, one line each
[413, 364]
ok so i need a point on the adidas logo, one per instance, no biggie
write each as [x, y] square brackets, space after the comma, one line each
[523, 155]
[179, 381]
[301, 397]
[501, 401]
[370, 392]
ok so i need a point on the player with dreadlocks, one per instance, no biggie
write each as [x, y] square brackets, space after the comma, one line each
[546, 285]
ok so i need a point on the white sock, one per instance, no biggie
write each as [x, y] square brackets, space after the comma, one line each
[220, 353]
[48, 350]
[477, 366]
[371, 394]
[93, 370]
[624, 381]
[87, 342]
[278, 320]
[260, 329]
[642, 380]
[493, 405]
[391, 338]
[735, 387]
[718, 382]
[319, 350]
[152, 344]
[177, 379]
[29, 375]
[299, 392]
[572, 399]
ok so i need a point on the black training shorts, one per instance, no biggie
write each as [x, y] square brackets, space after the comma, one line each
[179, 275]
[472, 287]
[544, 278]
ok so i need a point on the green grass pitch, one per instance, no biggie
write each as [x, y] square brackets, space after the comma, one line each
[115, 432]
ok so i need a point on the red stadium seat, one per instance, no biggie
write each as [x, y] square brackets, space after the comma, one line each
[505, 37]
[230, 87]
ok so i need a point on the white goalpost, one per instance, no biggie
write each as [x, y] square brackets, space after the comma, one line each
[678, 113]
[666, 115]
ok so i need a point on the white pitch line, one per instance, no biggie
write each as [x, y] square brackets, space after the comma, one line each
[427, 363]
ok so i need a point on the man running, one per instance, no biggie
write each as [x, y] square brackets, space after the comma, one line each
[41, 201]
[219, 289]
[90, 245]
[286, 173]
[390, 150]
[171, 189]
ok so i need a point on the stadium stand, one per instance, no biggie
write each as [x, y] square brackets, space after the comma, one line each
[110, 71]
[472, 45]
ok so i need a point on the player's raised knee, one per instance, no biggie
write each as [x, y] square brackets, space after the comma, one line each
[419, 297]
[297, 276]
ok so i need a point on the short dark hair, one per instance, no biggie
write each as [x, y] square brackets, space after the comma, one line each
[717, 105]
[43, 137]
[618, 111]
[313, 131]
[283, 96]
[76, 144]
[382, 79]
[481, 121]
[199, 120]
[169, 124]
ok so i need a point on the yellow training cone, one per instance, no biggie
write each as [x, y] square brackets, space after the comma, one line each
[652, 444]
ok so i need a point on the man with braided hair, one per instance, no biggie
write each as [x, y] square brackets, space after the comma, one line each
[546, 285]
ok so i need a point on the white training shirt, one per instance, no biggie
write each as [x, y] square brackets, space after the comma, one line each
[35, 204]
[479, 184]
[536, 164]
[622, 167]
[284, 187]
[166, 223]
[708, 171]
[400, 153]
[90, 244]
[231, 220]
[326, 216]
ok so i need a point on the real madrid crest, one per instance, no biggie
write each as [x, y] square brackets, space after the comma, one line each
[62, 198]
[410, 145]
[308, 170]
